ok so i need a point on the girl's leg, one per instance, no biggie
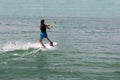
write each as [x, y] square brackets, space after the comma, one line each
[51, 43]
[42, 43]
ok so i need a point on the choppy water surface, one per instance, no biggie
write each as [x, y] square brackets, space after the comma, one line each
[88, 49]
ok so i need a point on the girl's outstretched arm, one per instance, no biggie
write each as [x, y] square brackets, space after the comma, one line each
[48, 26]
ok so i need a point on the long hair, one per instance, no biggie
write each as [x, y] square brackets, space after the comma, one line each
[42, 21]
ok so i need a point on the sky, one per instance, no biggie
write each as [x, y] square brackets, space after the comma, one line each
[77, 8]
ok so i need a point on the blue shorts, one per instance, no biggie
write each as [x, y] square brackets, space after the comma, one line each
[43, 35]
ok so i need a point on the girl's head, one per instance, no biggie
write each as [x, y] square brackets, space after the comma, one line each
[42, 21]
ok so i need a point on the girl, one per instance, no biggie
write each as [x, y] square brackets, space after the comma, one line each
[43, 33]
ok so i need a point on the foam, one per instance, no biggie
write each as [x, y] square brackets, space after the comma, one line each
[11, 46]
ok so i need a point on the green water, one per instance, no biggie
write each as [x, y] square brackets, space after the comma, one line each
[88, 49]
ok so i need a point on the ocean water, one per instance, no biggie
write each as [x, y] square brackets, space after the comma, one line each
[87, 49]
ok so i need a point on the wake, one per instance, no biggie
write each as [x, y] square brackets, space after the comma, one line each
[13, 46]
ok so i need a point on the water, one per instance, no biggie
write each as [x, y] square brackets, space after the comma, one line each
[94, 8]
[88, 49]
[87, 33]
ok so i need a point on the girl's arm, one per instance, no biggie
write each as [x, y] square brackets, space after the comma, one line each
[48, 26]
